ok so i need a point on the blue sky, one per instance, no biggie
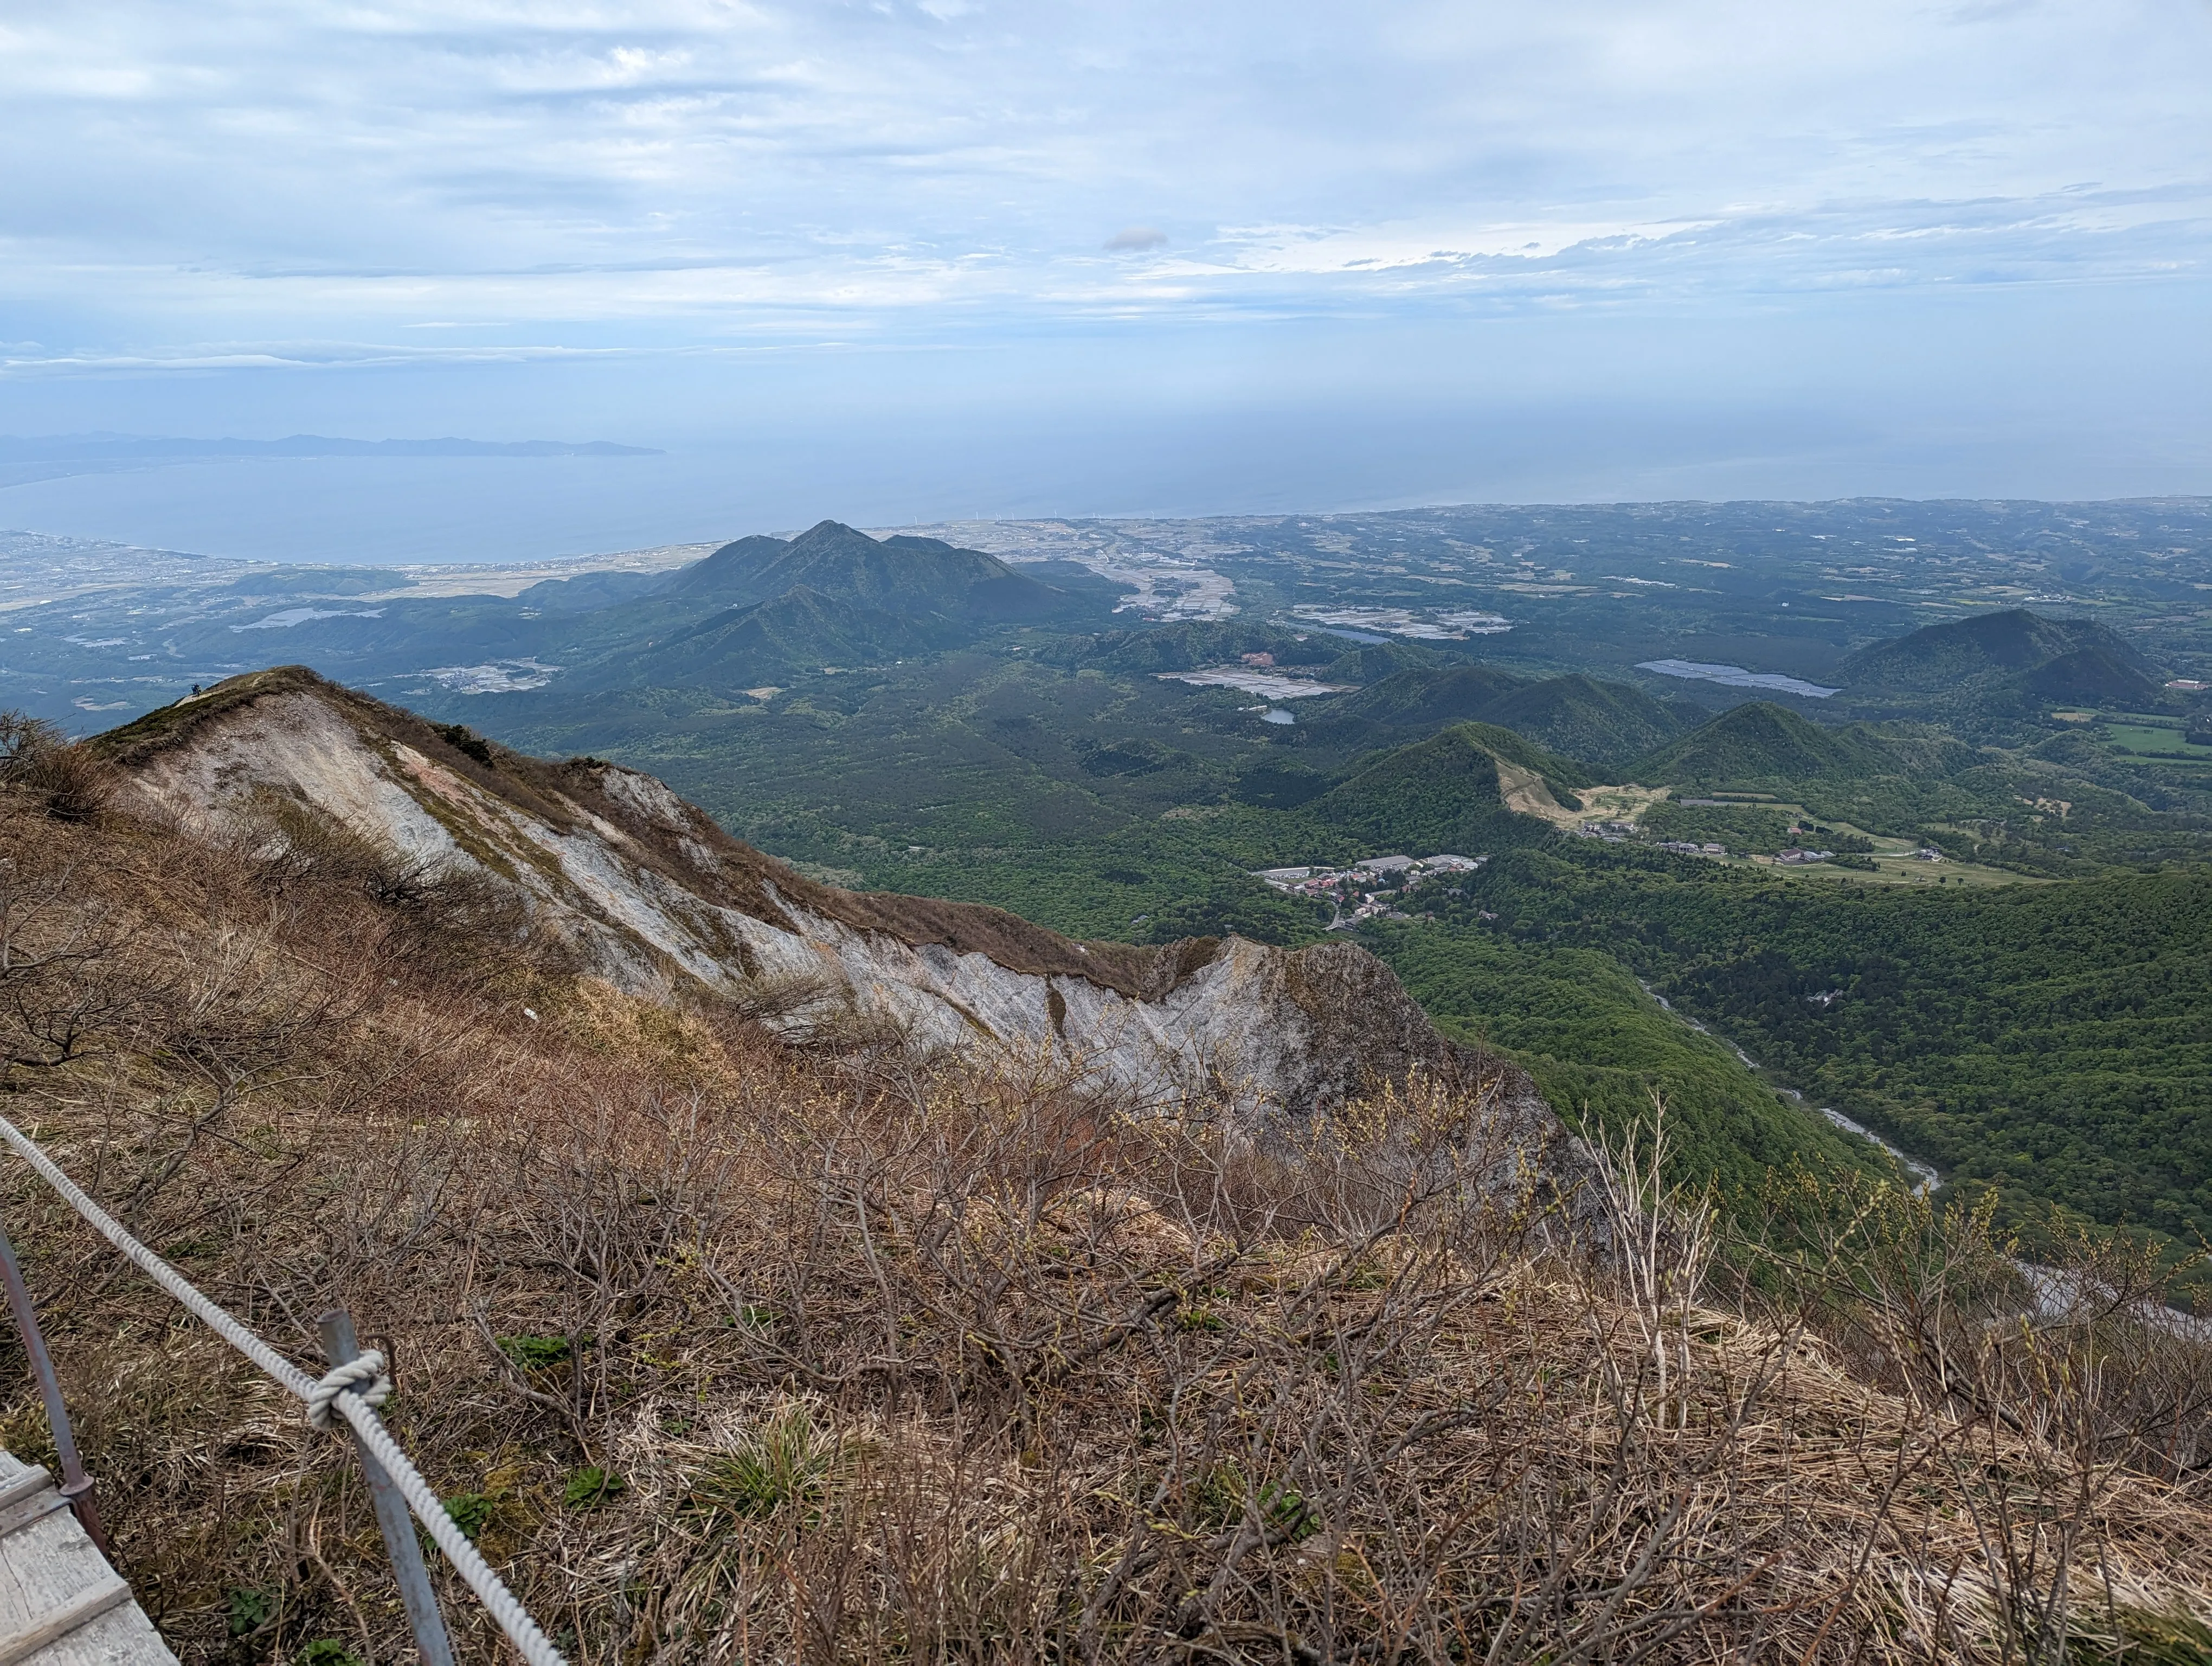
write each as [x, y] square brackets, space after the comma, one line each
[990, 258]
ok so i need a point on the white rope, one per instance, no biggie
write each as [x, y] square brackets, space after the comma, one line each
[370, 1387]
[364, 1374]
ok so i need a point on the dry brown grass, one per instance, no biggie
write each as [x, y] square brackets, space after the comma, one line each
[733, 1351]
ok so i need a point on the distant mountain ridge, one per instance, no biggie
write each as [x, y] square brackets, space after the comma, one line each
[763, 609]
[94, 448]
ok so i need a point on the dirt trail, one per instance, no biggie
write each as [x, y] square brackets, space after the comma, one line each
[1524, 791]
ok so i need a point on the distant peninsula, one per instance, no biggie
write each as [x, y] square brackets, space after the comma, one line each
[131, 447]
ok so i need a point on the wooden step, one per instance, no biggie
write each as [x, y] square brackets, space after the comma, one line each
[61, 1604]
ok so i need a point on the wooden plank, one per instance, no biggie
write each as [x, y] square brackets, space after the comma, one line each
[45, 1569]
[55, 1623]
[61, 1604]
[22, 1480]
[23, 1511]
[123, 1636]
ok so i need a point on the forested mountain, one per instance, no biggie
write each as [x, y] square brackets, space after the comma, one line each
[797, 631]
[1938, 657]
[1203, 704]
[1602, 724]
[2003, 665]
[902, 576]
[2048, 1041]
[1426, 699]
[1761, 742]
[2092, 676]
[1457, 791]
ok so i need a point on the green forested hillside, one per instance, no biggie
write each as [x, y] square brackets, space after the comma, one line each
[795, 633]
[1442, 794]
[915, 576]
[2052, 1041]
[2048, 1040]
[2092, 677]
[1603, 724]
[1992, 672]
[1599, 1047]
[1940, 657]
[1425, 699]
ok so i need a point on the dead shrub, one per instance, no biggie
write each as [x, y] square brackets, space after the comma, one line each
[67, 781]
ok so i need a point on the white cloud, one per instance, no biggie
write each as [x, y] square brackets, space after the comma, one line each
[608, 177]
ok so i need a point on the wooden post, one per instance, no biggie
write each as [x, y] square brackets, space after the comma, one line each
[341, 1347]
[76, 1486]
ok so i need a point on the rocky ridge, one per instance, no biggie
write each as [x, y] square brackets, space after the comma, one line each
[649, 892]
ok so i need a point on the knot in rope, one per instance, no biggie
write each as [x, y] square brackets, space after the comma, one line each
[364, 1373]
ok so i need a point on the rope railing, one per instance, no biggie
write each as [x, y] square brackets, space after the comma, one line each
[351, 1388]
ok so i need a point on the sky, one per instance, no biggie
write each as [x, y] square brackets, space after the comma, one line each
[900, 262]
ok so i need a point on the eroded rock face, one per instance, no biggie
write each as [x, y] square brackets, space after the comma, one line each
[650, 894]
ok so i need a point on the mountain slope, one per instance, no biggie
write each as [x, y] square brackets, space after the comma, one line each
[648, 892]
[1422, 699]
[1760, 741]
[898, 575]
[1583, 718]
[691, 1328]
[800, 631]
[2092, 676]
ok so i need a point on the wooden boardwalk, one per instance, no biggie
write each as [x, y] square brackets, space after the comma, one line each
[61, 1604]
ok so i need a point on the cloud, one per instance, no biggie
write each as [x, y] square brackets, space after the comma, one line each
[488, 193]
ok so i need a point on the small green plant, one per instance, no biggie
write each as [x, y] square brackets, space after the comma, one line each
[1221, 1498]
[329, 1651]
[248, 1609]
[535, 1353]
[464, 740]
[1218, 1499]
[785, 1462]
[593, 1486]
[472, 1512]
[2173, 1637]
[1286, 1512]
